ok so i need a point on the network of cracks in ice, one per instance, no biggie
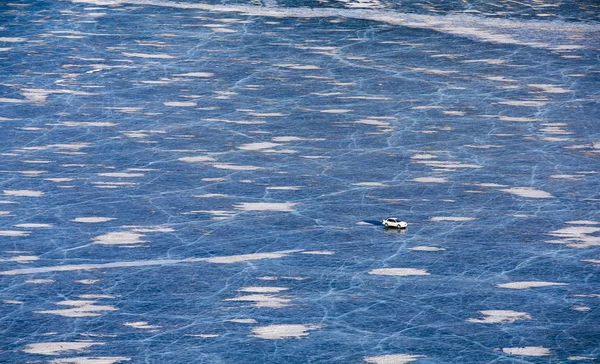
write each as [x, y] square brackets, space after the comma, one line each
[206, 181]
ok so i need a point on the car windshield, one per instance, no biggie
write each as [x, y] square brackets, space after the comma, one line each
[394, 220]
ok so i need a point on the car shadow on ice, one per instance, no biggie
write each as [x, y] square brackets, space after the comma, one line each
[372, 222]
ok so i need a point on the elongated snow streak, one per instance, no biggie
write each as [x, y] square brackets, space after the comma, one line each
[500, 31]
[145, 263]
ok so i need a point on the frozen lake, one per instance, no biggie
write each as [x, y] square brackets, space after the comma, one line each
[204, 181]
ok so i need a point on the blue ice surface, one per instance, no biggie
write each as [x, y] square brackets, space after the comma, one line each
[162, 162]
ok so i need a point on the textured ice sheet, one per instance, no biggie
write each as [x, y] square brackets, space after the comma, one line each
[204, 181]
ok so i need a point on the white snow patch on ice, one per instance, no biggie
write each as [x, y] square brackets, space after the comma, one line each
[500, 317]
[119, 238]
[23, 193]
[399, 272]
[249, 257]
[529, 284]
[266, 206]
[430, 179]
[93, 219]
[393, 359]
[529, 192]
[57, 348]
[141, 325]
[90, 360]
[274, 332]
[423, 248]
[451, 218]
[528, 351]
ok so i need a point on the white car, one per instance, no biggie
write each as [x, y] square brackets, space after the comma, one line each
[393, 222]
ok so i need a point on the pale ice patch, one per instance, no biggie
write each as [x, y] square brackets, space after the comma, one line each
[13, 39]
[95, 296]
[578, 236]
[581, 308]
[267, 114]
[369, 184]
[528, 192]
[298, 66]
[284, 188]
[446, 164]
[210, 195]
[423, 248]
[287, 139]
[86, 124]
[552, 89]
[362, 4]
[13, 302]
[393, 359]
[583, 222]
[148, 55]
[195, 74]
[454, 113]
[90, 360]
[88, 281]
[578, 357]
[196, 159]
[263, 300]
[274, 332]
[180, 103]
[243, 321]
[403, 272]
[249, 257]
[143, 325]
[120, 238]
[40, 281]
[235, 167]
[451, 218]
[240, 122]
[567, 176]
[432, 71]
[93, 219]
[60, 347]
[591, 295]
[121, 174]
[266, 206]
[80, 308]
[593, 261]
[23, 259]
[518, 119]
[216, 214]
[336, 111]
[529, 284]
[524, 103]
[500, 317]
[14, 233]
[430, 180]
[258, 146]
[423, 156]
[33, 225]
[148, 229]
[528, 351]
[23, 193]
[489, 185]
[145, 263]
[254, 289]
[318, 252]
